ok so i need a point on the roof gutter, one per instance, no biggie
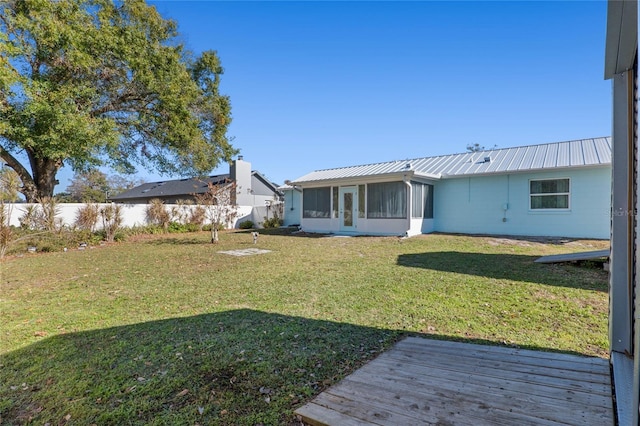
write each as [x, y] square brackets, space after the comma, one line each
[622, 37]
[368, 178]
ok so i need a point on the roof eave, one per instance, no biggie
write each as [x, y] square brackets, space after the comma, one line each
[366, 178]
[622, 37]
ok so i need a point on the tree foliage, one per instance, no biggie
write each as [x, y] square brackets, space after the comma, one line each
[476, 147]
[89, 187]
[103, 82]
[94, 186]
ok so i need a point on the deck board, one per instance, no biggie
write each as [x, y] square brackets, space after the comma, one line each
[426, 381]
[574, 257]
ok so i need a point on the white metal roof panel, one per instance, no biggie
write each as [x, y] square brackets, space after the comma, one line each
[516, 156]
[590, 154]
[575, 153]
[563, 153]
[578, 153]
[551, 157]
[603, 146]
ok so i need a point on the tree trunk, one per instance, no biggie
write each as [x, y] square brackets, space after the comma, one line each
[44, 178]
[44, 171]
[214, 234]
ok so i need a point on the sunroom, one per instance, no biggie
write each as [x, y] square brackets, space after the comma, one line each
[396, 203]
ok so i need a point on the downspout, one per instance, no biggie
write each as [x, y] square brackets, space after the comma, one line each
[407, 182]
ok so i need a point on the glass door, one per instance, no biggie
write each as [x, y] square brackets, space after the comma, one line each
[348, 208]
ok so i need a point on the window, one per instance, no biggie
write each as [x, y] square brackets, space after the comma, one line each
[549, 194]
[416, 200]
[422, 200]
[316, 202]
[387, 200]
[361, 198]
[428, 201]
[336, 214]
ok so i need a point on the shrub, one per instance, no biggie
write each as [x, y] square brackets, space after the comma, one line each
[197, 216]
[246, 224]
[87, 217]
[157, 214]
[274, 222]
[183, 227]
[6, 231]
[111, 221]
[50, 212]
[42, 216]
[31, 217]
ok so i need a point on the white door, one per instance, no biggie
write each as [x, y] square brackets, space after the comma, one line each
[348, 208]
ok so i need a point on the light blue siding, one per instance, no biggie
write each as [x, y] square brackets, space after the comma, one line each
[292, 207]
[475, 205]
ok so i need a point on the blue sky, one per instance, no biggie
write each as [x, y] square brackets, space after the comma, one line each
[317, 85]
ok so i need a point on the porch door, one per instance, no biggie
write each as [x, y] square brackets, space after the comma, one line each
[347, 206]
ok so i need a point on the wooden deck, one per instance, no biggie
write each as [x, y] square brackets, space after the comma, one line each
[425, 381]
[574, 257]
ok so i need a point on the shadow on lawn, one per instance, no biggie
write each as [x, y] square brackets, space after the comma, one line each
[240, 367]
[234, 367]
[509, 267]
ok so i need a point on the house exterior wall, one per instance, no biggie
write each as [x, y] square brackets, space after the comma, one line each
[427, 225]
[475, 205]
[259, 188]
[292, 207]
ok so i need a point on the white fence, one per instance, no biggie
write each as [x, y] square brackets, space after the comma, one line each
[132, 214]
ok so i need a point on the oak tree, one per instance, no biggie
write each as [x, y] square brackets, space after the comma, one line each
[89, 83]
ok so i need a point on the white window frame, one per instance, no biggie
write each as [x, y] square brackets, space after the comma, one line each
[558, 209]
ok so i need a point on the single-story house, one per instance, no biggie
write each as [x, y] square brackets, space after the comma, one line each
[555, 189]
[253, 189]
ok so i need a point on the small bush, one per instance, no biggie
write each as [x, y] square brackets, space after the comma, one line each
[46, 248]
[111, 221]
[197, 217]
[246, 224]
[31, 218]
[274, 222]
[183, 227]
[87, 217]
[157, 214]
[6, 230]
[42, 216]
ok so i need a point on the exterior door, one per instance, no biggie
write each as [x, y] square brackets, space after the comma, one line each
[348, 208]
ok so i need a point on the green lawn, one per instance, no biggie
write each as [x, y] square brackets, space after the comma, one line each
[165, 330]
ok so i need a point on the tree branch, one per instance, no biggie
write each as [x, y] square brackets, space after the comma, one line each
[28, 184]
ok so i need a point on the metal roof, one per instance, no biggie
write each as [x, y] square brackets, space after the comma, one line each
[569, 154]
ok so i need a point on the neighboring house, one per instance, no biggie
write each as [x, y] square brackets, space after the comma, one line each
[292, 197]
[556, 189]
[253, 189]
[621, 66]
